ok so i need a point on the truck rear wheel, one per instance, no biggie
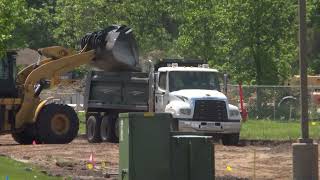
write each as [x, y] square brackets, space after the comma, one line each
[93, 129]
[107, 129]
[230, 139]
[57, 124]
[26, 136]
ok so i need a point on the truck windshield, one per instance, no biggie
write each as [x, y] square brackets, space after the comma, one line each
[179, 80]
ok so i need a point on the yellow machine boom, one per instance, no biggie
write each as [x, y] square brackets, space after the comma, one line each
[48, 69]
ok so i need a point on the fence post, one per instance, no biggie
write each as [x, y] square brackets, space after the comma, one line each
[77, 101]
[274, 104]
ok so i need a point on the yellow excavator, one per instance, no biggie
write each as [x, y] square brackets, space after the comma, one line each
[29, 118]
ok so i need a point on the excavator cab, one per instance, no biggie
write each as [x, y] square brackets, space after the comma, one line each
[8, 74]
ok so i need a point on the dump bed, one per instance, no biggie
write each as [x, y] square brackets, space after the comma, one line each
[116, 91]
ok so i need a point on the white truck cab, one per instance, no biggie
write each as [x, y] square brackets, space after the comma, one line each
[192, 95]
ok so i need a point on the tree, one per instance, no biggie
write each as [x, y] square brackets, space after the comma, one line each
[155, 23]
[75, 18]
[313, 22]
[255, 41]
[265, 35]
[12, 13]
[152, 21]
[203, 31]
[40, 23]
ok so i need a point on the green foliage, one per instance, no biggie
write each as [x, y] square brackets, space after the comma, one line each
[203, 32]
[313, 8]
[75, 18]
[267, 31]
[12, 14]
[40, 24]
[81, 71]
[314, 36]
[154, 26]
[82, 119]
[254, 41]
[251, 40]
[155, 22]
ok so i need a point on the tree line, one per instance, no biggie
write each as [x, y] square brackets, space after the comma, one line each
[256, 42]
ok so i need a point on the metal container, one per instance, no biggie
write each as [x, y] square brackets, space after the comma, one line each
[192, 158]
[145, 146]
[149, 151]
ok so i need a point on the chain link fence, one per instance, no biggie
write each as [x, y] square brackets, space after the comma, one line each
[275, 102]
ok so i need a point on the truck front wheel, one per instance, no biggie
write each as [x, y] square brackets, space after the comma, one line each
[93, 129]
[57, 124]
[230, 139]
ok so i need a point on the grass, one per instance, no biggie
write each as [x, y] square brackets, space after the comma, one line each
[12, 170]
[276, 130]
[82, 125]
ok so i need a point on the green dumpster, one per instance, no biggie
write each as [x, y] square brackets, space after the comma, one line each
[192, 158]
[145, 146]
[151, 150]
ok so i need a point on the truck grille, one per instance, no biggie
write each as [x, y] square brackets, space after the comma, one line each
[210, 110]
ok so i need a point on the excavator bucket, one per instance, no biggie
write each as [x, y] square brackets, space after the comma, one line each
[116, 49]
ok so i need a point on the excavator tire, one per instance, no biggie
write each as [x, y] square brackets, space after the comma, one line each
[93, 129]
[57, 124]
[26, 136]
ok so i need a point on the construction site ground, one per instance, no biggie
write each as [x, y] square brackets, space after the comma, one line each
[262, 160]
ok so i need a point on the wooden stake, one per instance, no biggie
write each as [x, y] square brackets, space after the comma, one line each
[254, 164]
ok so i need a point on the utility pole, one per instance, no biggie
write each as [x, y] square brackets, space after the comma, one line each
[305, 152]
[303, 72]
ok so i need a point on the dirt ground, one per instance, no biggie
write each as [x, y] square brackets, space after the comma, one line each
[272, 161]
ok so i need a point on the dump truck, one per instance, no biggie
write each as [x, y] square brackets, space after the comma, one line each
[187, 89]
[28, 117]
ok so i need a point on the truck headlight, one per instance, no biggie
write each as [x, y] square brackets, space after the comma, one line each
[185, 111]
[234, 113]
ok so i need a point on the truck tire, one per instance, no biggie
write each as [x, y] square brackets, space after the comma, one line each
[57, 124]
[26, 136]
[93, 129]
[230, 139]
[107, 129]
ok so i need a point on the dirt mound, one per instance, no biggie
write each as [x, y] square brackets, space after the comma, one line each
[65, 88]
[27, 56]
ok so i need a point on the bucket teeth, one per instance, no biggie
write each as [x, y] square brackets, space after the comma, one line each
[115, 46]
